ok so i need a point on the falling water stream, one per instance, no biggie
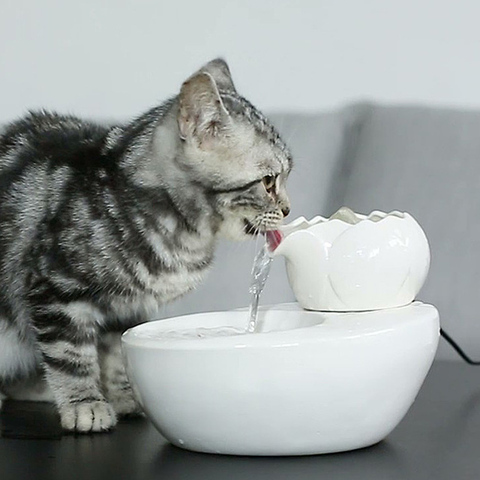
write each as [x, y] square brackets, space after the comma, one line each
[260, 271]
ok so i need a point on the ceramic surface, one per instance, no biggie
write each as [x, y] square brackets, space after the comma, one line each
[354, 262]
[308, 383]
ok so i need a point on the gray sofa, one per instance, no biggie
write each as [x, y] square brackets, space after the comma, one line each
[425, 161]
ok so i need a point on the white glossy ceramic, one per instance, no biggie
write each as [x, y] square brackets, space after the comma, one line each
[354, 262]
[308, 383]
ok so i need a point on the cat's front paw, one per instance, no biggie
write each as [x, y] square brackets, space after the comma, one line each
[125, 404]
[88, 417]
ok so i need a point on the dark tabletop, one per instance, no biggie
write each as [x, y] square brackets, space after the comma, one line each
[439, 439]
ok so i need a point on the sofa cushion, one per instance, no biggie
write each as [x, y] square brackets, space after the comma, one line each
[426, 161]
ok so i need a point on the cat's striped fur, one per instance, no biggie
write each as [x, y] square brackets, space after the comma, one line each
[99, 226]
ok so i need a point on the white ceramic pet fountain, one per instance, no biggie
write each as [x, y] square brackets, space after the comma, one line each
[353, 262]
[338, 374]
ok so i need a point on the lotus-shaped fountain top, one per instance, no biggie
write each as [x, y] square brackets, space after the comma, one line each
[355, 262]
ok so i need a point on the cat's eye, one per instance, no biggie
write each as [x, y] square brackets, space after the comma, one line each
[269, 183]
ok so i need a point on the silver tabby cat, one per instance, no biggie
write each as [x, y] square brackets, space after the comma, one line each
[99, 226]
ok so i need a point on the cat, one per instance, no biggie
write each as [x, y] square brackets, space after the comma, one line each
[101, 225]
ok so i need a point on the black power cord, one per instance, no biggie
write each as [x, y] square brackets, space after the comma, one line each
[457, 348]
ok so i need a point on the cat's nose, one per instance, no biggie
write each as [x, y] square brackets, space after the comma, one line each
[285, 211]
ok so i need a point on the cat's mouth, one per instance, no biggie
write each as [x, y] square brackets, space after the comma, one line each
[272, 236]
[252, 229]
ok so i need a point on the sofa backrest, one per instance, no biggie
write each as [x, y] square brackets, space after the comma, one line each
[422, 160]
[426, 161]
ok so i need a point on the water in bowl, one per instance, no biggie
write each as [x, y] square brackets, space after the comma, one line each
[201, 333]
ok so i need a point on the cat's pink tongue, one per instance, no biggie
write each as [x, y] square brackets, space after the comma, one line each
[274, 237]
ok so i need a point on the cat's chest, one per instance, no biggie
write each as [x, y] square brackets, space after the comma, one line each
[180, 259]
[178, 267]
[145, 304]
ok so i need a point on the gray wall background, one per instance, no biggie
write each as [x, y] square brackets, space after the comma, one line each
[115, 58]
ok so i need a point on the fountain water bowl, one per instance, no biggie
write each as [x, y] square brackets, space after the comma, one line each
[307, 383]
[309, 380]
[354, 262]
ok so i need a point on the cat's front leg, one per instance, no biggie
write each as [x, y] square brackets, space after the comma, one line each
[114, 378]
[67, 337]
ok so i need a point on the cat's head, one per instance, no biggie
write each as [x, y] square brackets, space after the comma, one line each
[236, 155]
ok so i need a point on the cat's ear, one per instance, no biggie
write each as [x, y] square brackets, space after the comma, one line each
[220, 72]
[202, 115]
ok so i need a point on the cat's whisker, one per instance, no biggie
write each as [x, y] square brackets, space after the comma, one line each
[257, 237]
